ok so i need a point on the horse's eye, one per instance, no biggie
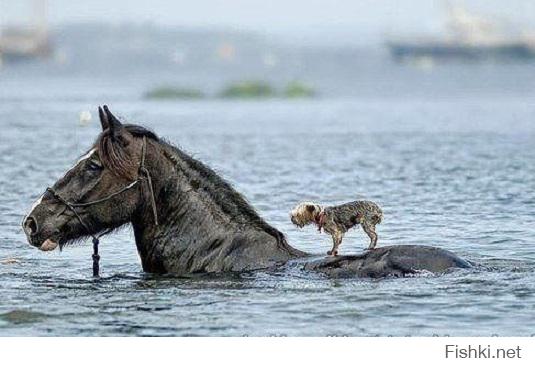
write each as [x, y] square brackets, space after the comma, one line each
[94, 165]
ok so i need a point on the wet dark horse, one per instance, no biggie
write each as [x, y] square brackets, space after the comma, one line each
[186, 218]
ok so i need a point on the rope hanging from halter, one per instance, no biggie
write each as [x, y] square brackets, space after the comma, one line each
[143, 174]
[146, 173]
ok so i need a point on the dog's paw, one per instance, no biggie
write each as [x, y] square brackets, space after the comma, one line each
[332, 253]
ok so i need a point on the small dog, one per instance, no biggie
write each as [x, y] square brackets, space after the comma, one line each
[337, 220]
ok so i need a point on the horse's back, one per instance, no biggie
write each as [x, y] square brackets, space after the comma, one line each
[389, 261]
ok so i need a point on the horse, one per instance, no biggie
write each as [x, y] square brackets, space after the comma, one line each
[186, 218]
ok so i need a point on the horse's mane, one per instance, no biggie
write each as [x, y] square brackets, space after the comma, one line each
[114, 156]
[230, 201]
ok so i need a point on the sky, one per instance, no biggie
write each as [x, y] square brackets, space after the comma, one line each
[291, 18]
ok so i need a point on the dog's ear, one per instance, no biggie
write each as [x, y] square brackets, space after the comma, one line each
[311, 208]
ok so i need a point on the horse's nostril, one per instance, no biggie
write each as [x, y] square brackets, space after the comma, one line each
[30, 226]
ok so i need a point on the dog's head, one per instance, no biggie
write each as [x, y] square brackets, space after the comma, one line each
[304, 213]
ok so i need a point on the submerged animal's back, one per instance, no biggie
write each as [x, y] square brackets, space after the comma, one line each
[388, 261]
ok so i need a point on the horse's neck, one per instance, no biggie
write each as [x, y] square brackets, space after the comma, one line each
[180, 208]
[193, 219]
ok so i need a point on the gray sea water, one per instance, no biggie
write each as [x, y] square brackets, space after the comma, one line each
[449, 155]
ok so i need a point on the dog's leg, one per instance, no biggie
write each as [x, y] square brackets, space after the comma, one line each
[330, 252]
[370, 231]
[337, 240]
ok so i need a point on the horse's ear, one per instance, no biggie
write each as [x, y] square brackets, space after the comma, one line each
[114, 123]
[103, 119]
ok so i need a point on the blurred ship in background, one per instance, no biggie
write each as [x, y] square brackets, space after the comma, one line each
[470, 37]
[20, 42]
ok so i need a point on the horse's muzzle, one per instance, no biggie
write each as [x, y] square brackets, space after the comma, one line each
[31, 229]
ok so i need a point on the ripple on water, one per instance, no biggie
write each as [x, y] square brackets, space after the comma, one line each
[16, 317]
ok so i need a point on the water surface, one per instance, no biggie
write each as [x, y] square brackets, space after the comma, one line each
[450, 167]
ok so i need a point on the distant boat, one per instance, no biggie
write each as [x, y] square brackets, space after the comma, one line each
[26, 41]
[18, 44]
[470, 38]
[402, 51]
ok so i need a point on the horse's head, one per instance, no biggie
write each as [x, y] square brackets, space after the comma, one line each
[100, 192]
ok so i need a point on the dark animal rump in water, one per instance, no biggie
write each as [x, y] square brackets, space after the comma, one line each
[397, 261]
[350, 214]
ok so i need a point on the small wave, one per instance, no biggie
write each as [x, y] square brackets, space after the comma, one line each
[22, 317]
[421, 274]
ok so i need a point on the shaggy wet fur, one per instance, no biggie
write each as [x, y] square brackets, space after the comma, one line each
[337, 220]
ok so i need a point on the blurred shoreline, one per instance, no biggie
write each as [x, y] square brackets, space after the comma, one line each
[130, 60]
